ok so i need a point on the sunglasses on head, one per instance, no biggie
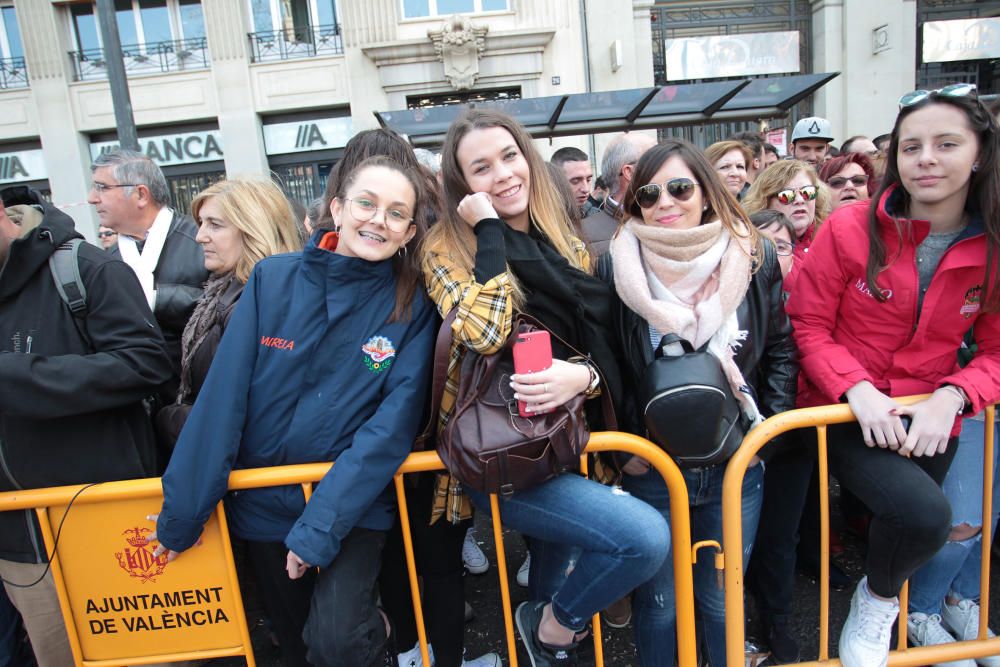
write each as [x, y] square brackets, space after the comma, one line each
[954, 90]
[838, 182]
[808, 193]
[680, 189]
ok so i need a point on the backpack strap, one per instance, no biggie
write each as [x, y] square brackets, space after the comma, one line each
[442, 349]
[65, 267]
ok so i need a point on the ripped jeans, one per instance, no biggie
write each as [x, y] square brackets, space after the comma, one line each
[654, 610]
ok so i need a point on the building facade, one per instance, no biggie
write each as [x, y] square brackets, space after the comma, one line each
[250, 86]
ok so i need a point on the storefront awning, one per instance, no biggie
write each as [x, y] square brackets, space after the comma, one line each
[619, 110]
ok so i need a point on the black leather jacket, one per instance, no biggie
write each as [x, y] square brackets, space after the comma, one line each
[767, 358]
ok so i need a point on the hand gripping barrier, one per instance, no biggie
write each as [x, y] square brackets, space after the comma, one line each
[121, 606]
[732, 487]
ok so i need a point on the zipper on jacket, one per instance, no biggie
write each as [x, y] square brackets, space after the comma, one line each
[28, 348]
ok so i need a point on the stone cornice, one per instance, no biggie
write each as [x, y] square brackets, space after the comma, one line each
[422, 50]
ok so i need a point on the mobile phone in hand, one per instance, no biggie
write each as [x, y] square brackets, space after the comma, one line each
[532, 353]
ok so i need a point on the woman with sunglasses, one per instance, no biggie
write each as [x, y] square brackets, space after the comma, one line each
[688, 262]
[504, 244]
[793, 188]
[879, 311]
[850, 177]
[326, 358]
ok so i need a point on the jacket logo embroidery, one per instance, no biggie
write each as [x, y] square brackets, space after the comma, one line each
[862, 287]
[277, 343]
[971, 303]
[139, 561]
[379, 353]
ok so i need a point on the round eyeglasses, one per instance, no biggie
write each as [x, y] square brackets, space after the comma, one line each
[396, 219]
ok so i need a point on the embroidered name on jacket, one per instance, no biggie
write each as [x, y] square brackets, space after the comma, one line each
[378, 353]
[277, 343]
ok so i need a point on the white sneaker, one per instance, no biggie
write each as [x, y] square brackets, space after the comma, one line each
[485, 660]
[472, 556]
[412, 658]
[924, 630]
[524, 571]
[864, 640]
[962, 620]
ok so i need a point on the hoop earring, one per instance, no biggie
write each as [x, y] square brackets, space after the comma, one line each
[402, 251]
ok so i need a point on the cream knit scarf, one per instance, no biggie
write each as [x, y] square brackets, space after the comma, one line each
[689, 282]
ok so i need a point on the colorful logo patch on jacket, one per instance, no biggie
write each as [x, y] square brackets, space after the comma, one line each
[971, 304]
[378, 353]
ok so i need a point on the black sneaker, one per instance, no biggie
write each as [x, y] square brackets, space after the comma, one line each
[528, 616]
[784, 648]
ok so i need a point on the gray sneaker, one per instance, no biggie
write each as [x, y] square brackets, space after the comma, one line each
[528, 616]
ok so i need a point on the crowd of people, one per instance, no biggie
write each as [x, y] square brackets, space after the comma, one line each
[243, 336]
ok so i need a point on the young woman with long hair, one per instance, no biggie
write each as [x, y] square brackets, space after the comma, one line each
[326, 358]
[504, 245]
[689, 262]
[879, 310]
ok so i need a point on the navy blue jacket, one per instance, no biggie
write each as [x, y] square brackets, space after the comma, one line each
[308, 370]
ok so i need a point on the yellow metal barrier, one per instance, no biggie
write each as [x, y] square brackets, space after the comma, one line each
[95, 583]
[732, 531]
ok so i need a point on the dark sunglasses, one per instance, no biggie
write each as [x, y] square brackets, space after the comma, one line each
[808, 193]
[837, 182]
[954, 90]
[106, 235]
[680, 189]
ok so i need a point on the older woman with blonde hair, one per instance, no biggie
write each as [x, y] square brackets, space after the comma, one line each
[730, 160]
[240, 222]
[794, 188]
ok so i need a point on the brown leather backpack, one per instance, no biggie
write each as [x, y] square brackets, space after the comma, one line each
[486, 444]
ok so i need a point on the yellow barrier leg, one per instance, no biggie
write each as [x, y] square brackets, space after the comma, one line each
[234, 582]
[508, 623]
[987, 530]
[824, 546]
[904, 604]
[411, 567]
[595, 623]
[60, 584]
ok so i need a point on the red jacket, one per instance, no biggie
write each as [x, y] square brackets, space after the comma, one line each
[845, 336]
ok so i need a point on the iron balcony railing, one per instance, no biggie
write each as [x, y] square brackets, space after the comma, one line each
[13, 73]
[151, 58]
[292, 43]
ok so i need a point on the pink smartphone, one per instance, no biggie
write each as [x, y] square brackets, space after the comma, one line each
[532, 353]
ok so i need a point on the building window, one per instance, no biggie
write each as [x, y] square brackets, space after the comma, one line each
[413, 9]
[12, 71]
[156, 36]
[287, 29]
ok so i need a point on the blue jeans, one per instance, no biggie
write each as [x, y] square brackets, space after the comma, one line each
[653, 605]
[956, 567]
[622, 540]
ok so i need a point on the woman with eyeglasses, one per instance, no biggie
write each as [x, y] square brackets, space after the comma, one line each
[850, 177]
[327, 357]
[779, 229]
[504, 244]
[879, 311]
[688, 262]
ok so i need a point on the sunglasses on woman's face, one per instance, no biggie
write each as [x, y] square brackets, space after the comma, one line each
[680, 189]
[838, 182]
[808, 193]
[954, 90]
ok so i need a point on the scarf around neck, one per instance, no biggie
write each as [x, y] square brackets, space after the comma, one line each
[207, 313]
[688, 282]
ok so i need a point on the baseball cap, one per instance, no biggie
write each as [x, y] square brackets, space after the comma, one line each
[813, 127]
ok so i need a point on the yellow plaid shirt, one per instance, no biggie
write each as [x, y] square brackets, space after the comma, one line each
[482, 324]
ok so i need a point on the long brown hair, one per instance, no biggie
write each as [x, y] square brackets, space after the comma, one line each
[983, 197]
[405, 266]
[453, 237]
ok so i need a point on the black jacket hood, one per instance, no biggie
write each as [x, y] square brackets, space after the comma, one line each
[31, 252]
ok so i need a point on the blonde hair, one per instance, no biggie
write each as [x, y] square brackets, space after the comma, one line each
[775, 178]
[718, 150]
[453, 237]
[261, 213]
